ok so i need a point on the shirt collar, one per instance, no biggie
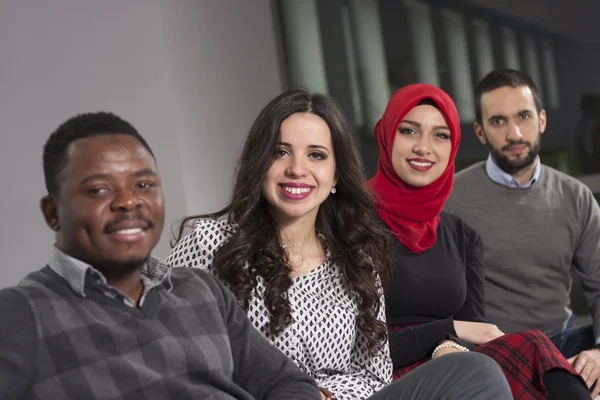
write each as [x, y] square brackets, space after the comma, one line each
[499, 176]
[76, 272]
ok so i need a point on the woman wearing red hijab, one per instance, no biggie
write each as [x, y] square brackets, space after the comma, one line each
[436, 302]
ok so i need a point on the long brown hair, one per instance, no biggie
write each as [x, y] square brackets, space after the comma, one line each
[356, 239]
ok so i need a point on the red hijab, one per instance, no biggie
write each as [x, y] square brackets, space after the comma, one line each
[412, 213]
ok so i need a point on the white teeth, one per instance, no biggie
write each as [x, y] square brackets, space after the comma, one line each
[131, 231]
[421, 164]
[295, 190]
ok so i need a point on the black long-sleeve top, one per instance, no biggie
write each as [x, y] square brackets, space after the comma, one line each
[434, 288]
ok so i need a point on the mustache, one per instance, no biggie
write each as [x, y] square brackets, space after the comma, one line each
[137, 216]
[516, 143]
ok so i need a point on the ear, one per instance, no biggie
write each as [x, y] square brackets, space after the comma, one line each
[49, 209]
[543, 121]
[479, 133]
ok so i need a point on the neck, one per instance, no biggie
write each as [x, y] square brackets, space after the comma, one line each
[524, 174]
[130, 283]
[298, 233]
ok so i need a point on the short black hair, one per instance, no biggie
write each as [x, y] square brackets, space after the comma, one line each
[501, 78]
[79, 127]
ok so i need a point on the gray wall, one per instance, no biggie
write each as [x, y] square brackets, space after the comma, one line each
[190, 75]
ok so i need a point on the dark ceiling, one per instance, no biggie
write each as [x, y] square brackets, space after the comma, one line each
[576, 19]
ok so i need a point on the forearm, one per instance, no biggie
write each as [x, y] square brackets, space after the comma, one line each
[412, 344]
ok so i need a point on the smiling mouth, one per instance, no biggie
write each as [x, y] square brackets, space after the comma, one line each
[129, 231]
[295, 190]
[420, 164]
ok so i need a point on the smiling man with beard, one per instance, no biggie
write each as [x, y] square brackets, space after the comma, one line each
[104, 319]
[536, 223]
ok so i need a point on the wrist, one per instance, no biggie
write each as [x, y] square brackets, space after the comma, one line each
[326, 394]
[448, 344]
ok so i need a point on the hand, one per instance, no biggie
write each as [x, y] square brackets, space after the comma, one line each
[587, 364]
[323, 397]
[477, 332]
[446, 350]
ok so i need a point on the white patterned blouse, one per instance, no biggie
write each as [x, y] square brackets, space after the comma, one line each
[323, 339]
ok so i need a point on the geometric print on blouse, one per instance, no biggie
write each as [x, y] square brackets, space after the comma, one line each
[322, 338]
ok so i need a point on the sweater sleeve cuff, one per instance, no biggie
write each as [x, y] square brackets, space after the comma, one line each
[464, 343]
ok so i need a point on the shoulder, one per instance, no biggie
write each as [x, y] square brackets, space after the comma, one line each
[213, 228]
[18, 304]
[467, 184]
[191, 282]
[457, 228]
[566, 184]
[197, 248]
[474, 170]
[17, 299]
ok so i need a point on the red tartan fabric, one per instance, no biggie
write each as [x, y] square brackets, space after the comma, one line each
[524, 358]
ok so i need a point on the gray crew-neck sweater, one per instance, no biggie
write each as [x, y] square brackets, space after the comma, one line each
[532, 237]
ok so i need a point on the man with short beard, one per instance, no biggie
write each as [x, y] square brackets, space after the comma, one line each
[536, 223]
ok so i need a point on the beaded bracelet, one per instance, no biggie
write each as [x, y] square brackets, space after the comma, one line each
[448, 344]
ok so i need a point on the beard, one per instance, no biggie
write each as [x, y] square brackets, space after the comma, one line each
[511, 166]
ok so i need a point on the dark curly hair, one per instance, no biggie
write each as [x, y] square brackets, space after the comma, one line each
[358, 243]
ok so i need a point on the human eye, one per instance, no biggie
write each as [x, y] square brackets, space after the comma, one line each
[146, 185]
[406, 131]
[280, 153]
[317, 155]
[97, 190]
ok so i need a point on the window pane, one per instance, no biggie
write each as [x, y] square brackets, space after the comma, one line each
[373, 75]
[303, 46]
[550, 80]
[532, 62]
[483, 48]
[511, 49]
[352, 66]
[423, 41]
[460, 69]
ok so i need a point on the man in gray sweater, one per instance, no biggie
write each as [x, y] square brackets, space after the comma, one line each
[104, 320]
[536, 223]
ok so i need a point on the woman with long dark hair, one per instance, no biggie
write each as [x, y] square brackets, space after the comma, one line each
[436, 304]
[301, 247]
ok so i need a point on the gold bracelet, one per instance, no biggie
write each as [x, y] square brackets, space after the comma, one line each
[448, 344]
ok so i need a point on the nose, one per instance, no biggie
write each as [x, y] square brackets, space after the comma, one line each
[423, 145]
[296, 167]
[126, 200]
[514, 132]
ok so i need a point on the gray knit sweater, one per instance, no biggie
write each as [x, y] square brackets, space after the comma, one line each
[188, 340]
[532, 237]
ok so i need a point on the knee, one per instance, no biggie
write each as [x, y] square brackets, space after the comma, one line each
[532, 337]
[477, 363]
[476, 376]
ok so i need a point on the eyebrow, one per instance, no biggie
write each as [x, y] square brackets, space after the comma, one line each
[418, 125]
[526, 110]
[137, 174]
[310, 146]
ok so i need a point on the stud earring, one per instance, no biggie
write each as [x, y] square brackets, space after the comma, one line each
[333, 190]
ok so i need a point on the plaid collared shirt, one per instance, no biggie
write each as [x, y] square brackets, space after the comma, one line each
[78, 274]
